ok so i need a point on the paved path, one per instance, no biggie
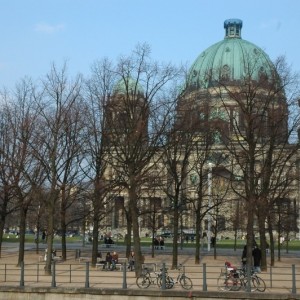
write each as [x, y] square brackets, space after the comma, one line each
[186, 257]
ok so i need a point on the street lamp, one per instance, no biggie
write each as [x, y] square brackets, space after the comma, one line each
[209, 182]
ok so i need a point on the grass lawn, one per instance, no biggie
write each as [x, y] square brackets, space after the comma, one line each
[221, 244]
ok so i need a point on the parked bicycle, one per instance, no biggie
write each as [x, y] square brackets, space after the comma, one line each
[182, 279]
[148, 278]
[233, 279]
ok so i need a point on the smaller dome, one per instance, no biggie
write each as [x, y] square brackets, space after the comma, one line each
[129, 85]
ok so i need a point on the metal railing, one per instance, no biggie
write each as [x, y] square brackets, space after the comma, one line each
[204, 277]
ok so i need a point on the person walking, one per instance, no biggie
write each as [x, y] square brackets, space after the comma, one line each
[156, 243]
[161, 243]
[44, 237]
[256, 253]
[244, 257]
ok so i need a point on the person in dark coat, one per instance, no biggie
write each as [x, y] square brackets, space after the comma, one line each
[108, 261]
[44, 237]
[244, 257]
[256, 253]
[161, 242]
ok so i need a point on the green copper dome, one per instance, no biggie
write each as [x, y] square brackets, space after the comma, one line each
[128, 85]
[232, 59]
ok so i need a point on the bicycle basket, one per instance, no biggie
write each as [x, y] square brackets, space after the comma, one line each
[235, 274]
[151, 269]
[145, 271]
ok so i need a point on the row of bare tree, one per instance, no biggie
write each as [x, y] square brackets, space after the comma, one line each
[66, 144]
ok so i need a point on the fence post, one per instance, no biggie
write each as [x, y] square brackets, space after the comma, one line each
[87, 275]
[204, 278]
[53, 284]
[294, 289]
[70, 273]
[124, 276]
[37, 272]
[271, 277]
[22, 274]
[163, 281]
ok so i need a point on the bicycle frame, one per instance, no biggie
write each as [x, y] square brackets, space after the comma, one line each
[233, 279]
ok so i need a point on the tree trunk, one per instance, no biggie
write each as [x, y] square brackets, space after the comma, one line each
[128, 235]
[3, 214]
[2, 225]
[95, 238]
[175, 237]
[215, 240]
[37, 234]
[235, 239]
[63, 224]
[263, 240]
[49, 237]
[153, 234]
[198, 230]
[250, 222]
[135, 230]
[64, 238]
[287, 243]
[271, 246]
[23, 213]
[279, 246]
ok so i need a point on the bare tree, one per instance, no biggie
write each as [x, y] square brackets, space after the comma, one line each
[260, 140]
[202, 154]
[153, 211]
[98, 89]
[58, 145]
[8, 203]
[27, 173]
[135, 126]
[177, 155]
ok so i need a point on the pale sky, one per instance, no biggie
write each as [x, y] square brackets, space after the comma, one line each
[35, 33]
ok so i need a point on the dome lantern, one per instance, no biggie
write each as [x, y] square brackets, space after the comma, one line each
[233, 28]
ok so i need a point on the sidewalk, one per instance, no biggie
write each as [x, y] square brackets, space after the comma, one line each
[279, 279]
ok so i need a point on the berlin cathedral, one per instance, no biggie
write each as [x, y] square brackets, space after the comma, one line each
[237, 150]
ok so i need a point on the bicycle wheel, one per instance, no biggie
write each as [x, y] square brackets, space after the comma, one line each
[186, 282]
[159, 280]
[169, 282]
[259, 283]
[143, 282]
[234, 284]
[253, 287]
[222, 283]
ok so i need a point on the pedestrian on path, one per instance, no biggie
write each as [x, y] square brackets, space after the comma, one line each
[244, 257]
[256, 259]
